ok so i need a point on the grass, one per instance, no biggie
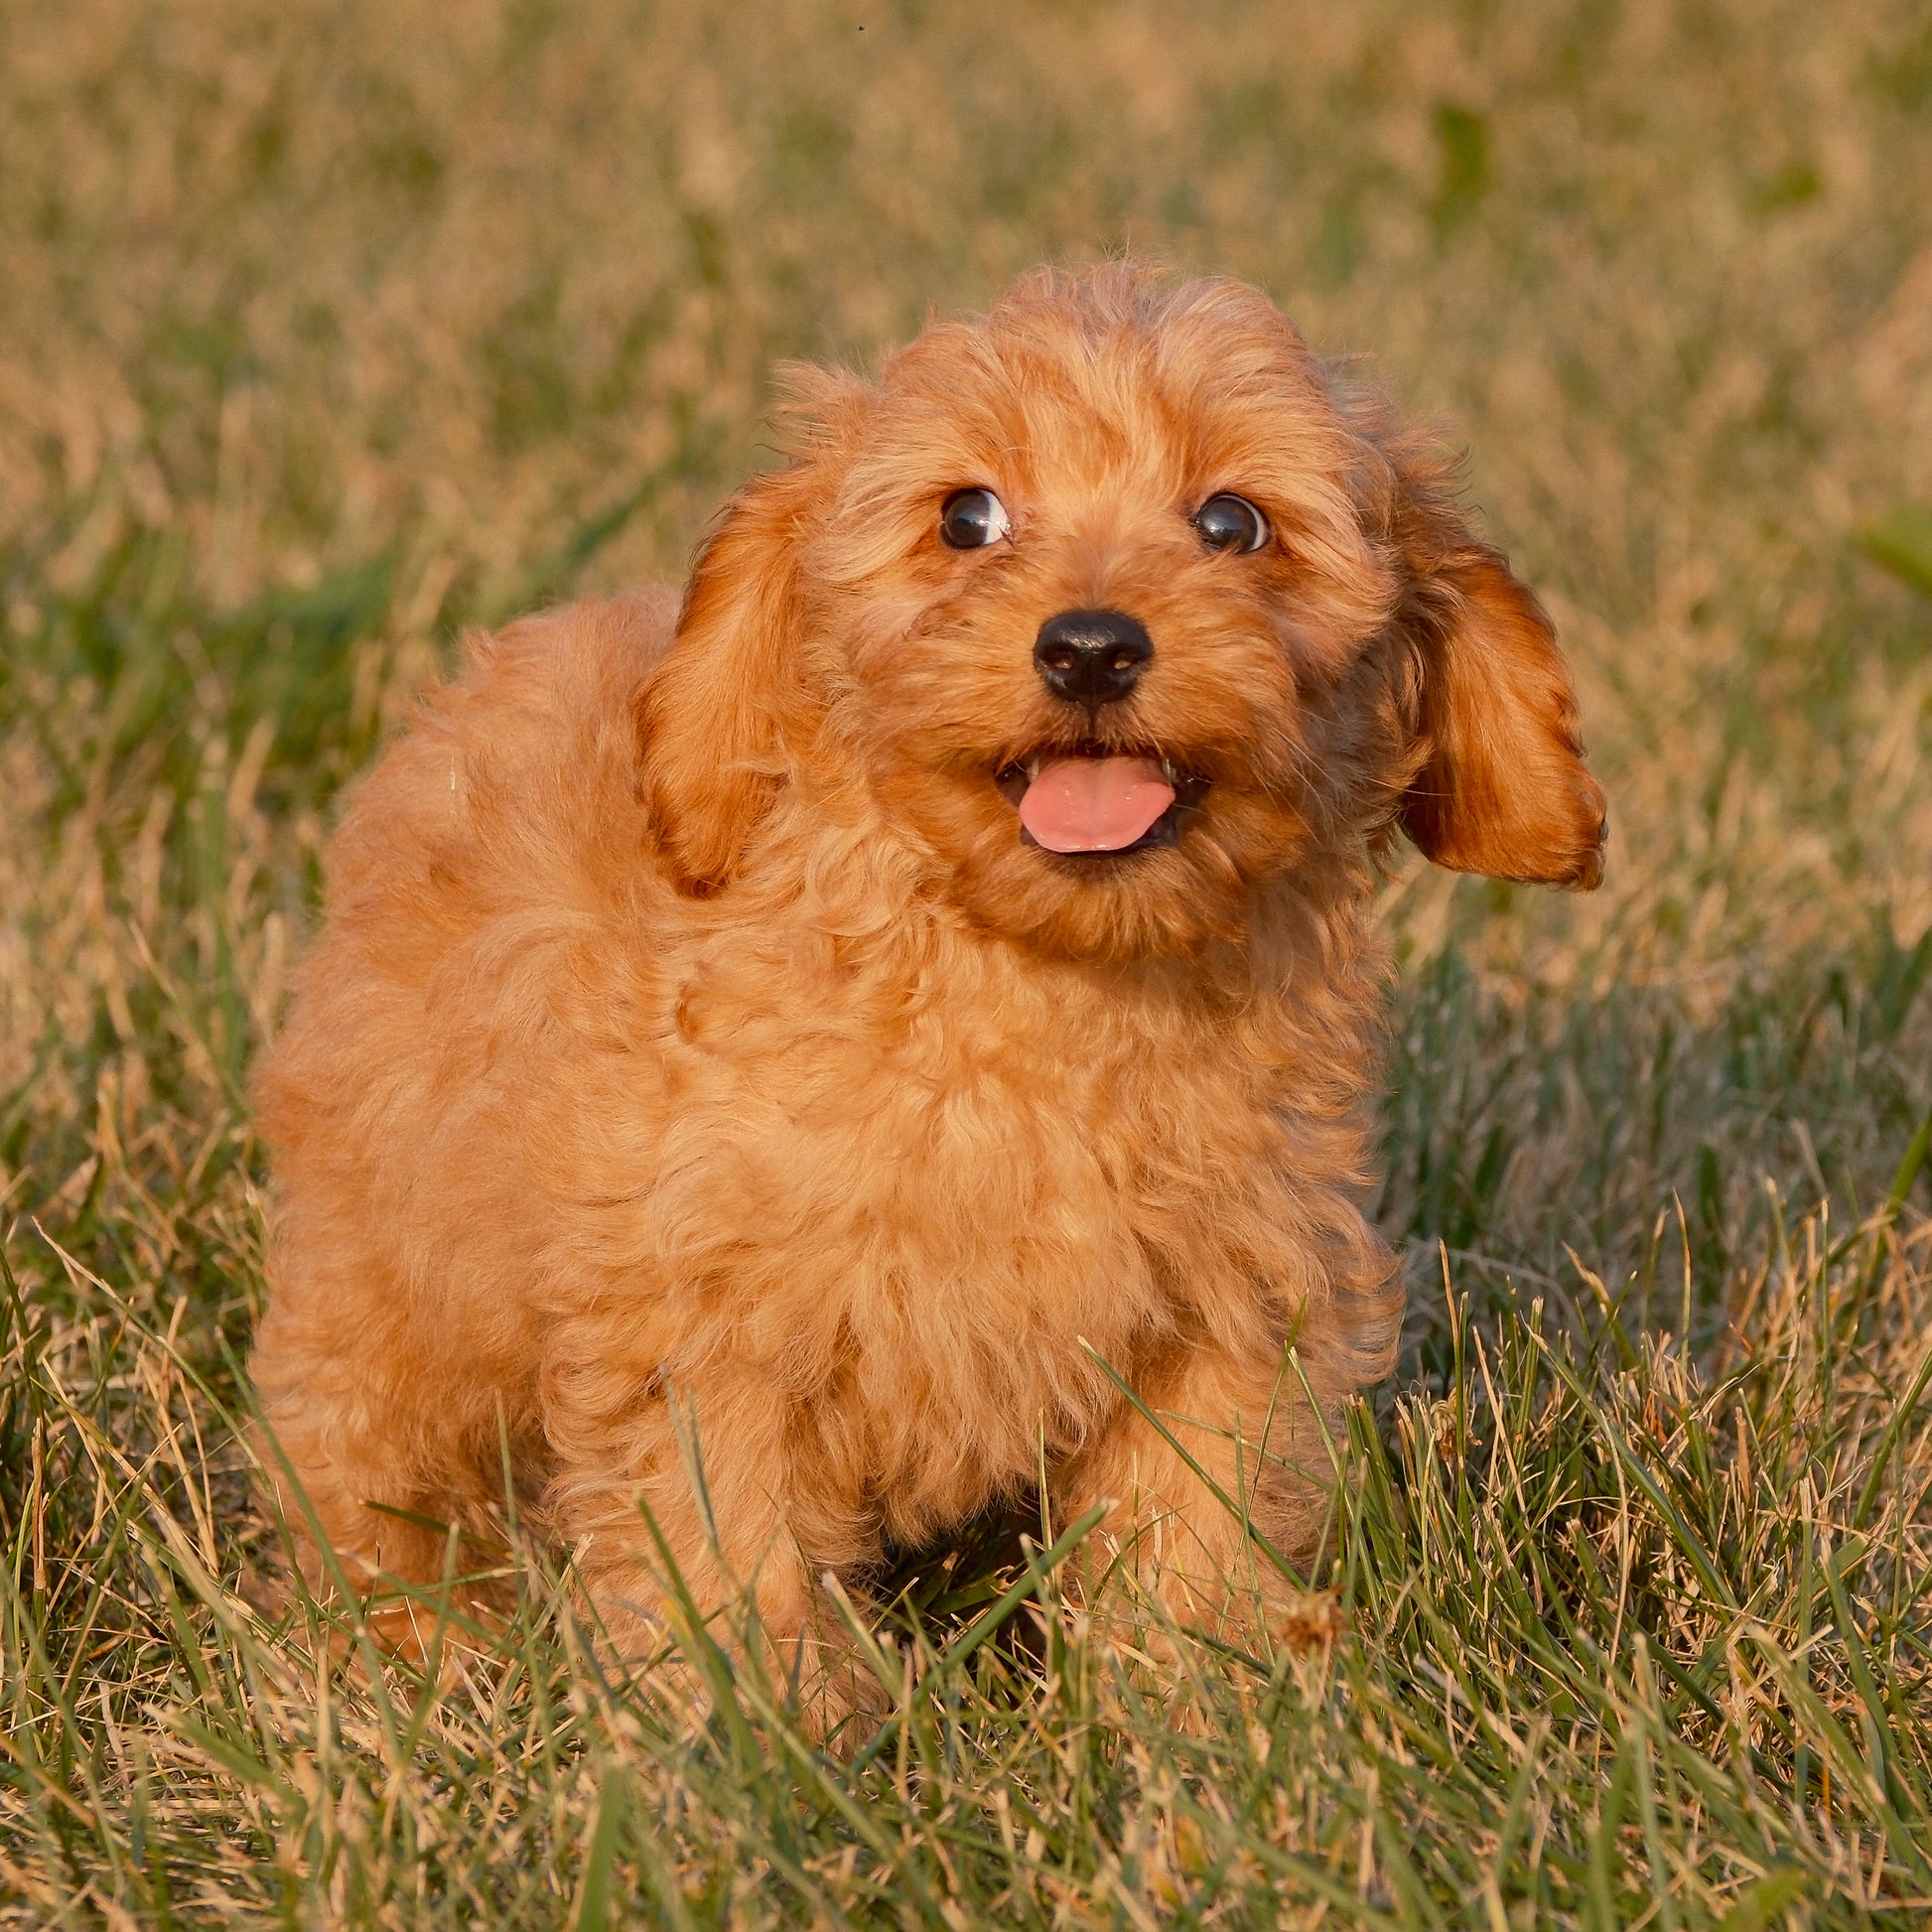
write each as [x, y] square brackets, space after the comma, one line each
[326, 329]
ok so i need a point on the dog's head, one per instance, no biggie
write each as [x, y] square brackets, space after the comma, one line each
[1118, 610]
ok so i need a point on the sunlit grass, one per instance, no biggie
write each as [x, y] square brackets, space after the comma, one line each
[325, 331]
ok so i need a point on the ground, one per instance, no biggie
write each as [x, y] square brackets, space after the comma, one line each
[327, 328]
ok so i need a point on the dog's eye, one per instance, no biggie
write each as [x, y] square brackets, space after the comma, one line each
[973, 518]
[1230, 523]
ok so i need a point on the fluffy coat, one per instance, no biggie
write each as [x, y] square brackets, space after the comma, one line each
[697, 1066]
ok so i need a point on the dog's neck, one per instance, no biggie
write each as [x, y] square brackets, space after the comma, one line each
[1298, 995]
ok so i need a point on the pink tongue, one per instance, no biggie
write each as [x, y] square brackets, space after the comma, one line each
[1094, 804]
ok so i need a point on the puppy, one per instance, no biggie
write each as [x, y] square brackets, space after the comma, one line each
[783, 1065]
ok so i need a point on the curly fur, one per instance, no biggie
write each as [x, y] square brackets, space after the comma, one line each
[694, 1055]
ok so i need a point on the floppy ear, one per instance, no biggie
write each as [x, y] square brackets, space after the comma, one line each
[730, 694]
[1501, 787]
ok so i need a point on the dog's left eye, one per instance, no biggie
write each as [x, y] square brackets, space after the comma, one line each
[973, 518]
[1230, 523]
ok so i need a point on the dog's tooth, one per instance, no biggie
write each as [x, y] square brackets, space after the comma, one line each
[1169, 773]
[1032, 768]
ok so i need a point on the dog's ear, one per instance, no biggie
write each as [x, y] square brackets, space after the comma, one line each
[1501, 787]
[730, 695]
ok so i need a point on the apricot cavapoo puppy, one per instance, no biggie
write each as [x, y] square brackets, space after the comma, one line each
[769, 1057]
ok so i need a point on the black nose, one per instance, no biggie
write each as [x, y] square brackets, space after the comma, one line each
[1091, 658]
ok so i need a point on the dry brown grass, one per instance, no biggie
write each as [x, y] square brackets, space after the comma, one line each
[324, 328]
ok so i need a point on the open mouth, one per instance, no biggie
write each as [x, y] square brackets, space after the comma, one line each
[1095, 804]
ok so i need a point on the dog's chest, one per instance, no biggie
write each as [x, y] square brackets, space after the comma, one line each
[946, 1198]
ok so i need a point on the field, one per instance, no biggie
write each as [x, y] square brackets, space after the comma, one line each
[328, 329]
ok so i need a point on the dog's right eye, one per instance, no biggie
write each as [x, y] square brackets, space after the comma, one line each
[1230, 523]
[973, 518]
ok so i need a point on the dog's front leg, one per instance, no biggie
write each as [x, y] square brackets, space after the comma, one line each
[1227, 1442]
[697, 1498]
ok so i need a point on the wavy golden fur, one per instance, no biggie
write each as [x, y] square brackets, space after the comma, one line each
[696, 1052]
